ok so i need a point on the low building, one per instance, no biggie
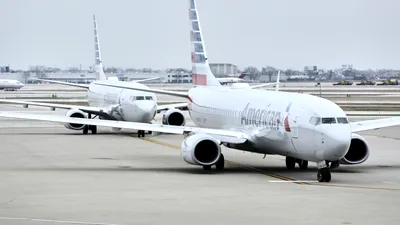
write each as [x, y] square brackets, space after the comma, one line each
[223, 69]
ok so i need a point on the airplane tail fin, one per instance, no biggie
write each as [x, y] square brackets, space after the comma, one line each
[242, 75]
[98, 64]
[201, 72]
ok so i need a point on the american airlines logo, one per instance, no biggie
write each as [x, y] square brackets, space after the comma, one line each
[261, 117]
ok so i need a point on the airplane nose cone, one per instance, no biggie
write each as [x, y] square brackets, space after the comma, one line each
[147, 111]
[338, 141]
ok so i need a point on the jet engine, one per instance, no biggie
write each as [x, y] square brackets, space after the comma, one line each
[173, 117]
[358, 151]
[75, 113]
[201, 149]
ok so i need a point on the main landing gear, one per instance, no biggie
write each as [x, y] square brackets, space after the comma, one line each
[142, 133]
[291, 163]
[92, 128]
[324, 173]
[220, 165]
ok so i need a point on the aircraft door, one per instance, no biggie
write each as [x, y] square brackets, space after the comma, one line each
[302, 131]
[295, 127]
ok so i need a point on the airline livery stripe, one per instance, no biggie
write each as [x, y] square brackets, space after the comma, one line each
[200, 79]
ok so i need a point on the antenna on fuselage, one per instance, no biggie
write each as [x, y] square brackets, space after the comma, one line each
[277, 81]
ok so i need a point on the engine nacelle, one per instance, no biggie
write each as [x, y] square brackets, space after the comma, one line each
[174, 117]
[358, 151]
[201, 149]
[240, 85]
[75, 113]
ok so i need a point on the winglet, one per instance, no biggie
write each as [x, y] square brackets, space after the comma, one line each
[98, 63]
[201, 72]
[278, 81]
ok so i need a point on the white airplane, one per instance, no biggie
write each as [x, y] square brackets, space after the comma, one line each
[227, 80]
[10, 85]
[112, 103]
[301, 127]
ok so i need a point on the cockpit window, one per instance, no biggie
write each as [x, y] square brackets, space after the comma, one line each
[315, 120]
[139, 97]
[342, 120]
[149, 98]
[328, 120]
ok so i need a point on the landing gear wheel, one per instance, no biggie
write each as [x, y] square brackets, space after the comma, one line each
[85, 129]
[93, 129]
[207, 168]
[303, 164]
[221, 163]
[324, 175]
[141, 133]
[290, 162]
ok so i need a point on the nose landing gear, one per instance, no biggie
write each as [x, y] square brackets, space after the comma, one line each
[324, 173]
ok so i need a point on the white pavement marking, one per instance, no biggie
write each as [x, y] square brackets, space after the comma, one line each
[54, 221]
[293, 181]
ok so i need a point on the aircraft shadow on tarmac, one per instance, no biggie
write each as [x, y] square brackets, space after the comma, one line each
[199, 171]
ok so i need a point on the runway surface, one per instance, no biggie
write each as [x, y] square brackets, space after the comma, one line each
[52, 175]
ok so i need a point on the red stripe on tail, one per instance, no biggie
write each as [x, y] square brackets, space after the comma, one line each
[200, 79]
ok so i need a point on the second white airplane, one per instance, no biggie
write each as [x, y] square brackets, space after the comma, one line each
[113, 103]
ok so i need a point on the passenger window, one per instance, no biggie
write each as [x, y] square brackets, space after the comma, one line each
[149, 98]
[342, 120]
[328, 120]
[315, 120]
[139, 97]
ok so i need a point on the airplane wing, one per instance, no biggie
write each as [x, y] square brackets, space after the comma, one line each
[262, 85]
[87, 109]
[374, 124]
[267, 84]
[171, 106]
[226, 136]
[65, 83]
[157, 91]
[147, 79]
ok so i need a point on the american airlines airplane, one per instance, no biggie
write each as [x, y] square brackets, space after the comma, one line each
[11, 85]
[301, 127]
[111, 103]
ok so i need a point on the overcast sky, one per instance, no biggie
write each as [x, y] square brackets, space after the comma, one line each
[155, 33]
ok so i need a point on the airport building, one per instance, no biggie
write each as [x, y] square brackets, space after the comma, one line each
[179, 78]
[223, 69]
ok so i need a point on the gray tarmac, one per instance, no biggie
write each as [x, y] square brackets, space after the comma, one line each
[52, 175]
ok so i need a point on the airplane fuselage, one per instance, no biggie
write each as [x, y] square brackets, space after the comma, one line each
[277, 122]
[10, 84]
[123, 104]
